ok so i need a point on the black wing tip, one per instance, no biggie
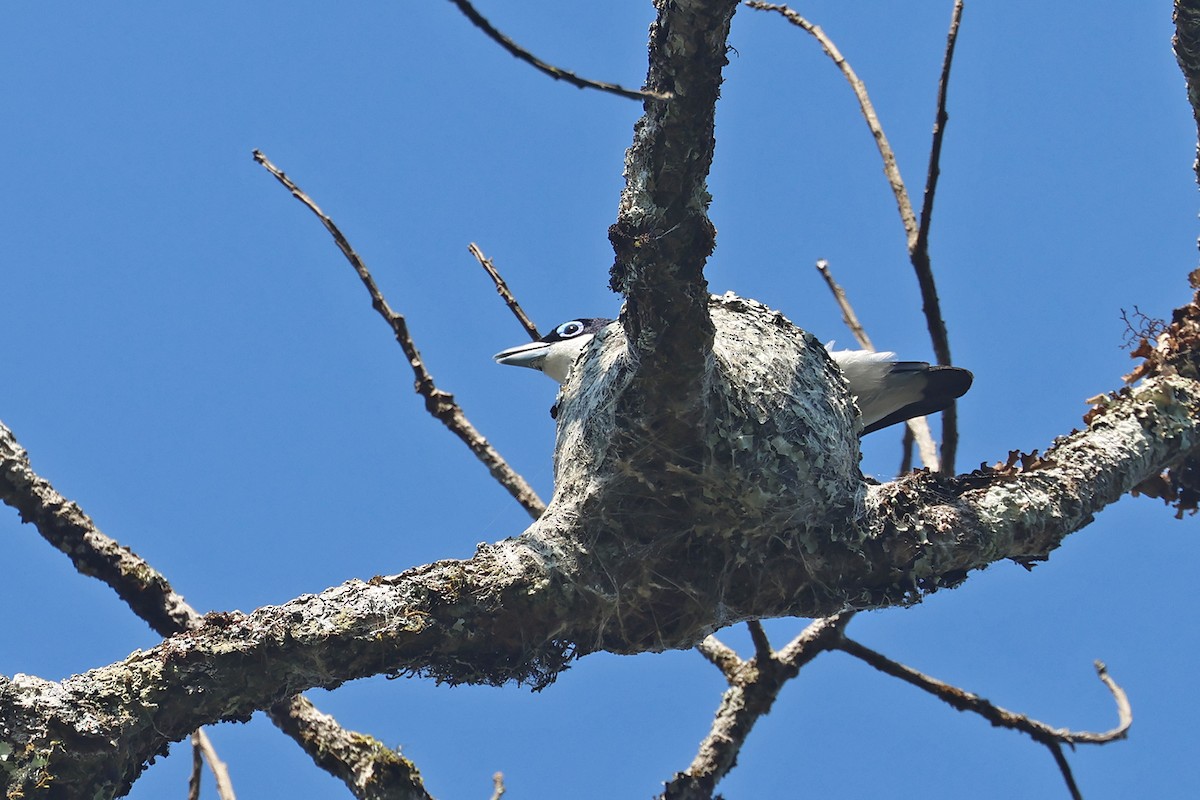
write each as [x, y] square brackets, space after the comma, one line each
[943, 386]
[948, 382]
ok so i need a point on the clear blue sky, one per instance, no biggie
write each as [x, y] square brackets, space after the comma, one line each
[188, 356]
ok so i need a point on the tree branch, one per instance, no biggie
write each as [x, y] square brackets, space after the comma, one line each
[438, 403]
[149, 595]
[63, 524]
[1000, 717]
[220, 771]
[916, 234]
[890, 168]
[549, 69]
[372, 770]
[502, 289]
[764, 537]
[919, 255]
[753, 687]
[1187, 53]
[663, 236]
[917, 427]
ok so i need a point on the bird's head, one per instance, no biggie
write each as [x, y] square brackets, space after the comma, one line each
[555, 353]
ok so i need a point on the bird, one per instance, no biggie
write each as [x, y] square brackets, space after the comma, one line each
[887, 391]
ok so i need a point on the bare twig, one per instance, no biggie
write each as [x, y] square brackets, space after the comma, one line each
[919, 255]
[439, 403]
[497, 786]
[917, 427]
[939, 133]
[890, 168]
[502, 289]
[197, 768]
[220, 772]
[966, 701]
[1065, 768]
[906, 451]
[916, 233]
[554, 72]
[762, 645]
[753, 687]
[848, 315]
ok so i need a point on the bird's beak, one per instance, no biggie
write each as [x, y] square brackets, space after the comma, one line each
[524, 355]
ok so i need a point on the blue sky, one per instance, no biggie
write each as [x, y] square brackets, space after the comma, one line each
[189, 357]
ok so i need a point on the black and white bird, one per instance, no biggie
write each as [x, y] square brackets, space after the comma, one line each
[887, 391]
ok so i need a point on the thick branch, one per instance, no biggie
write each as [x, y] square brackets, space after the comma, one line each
[63, 524]
[1187, 52]
[776, 521]
[368, 769]
[663, 236]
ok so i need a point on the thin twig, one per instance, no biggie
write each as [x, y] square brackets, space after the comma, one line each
[439, 403]
[502, 289]
[1001, 717]
[216, 765]
[554, 72]
[497, 786]
[919, 255]
[197, 768]
[890, 168]
[917, 427]
[916, 241]
[939, 132]
[906, 451]
[848, 315]
[1065, 768]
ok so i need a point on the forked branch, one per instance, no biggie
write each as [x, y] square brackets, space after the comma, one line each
[916, 232]
[440, 404]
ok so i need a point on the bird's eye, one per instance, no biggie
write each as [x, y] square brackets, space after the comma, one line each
[569, 329]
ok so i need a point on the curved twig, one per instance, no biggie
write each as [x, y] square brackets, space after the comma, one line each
[1000, 717]
[554, 72]
[890, 168]
[440, 404]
